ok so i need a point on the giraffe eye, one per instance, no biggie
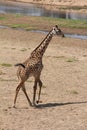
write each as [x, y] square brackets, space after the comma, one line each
[54, 29]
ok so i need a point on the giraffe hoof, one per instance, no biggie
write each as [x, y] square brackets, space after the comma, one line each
[31, 105]
[38, 101]
[34, 105]
[14, 106]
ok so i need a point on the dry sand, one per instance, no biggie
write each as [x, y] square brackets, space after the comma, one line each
[64, 95]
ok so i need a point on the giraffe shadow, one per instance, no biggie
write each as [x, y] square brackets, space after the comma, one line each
[49, 105]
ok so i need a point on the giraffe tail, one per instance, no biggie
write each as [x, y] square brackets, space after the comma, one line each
[20, 64]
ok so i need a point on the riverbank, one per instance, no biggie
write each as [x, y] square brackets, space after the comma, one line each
[43, 23]
[56, 2]
[69, 5]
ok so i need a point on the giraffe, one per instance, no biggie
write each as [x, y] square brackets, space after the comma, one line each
[33, 67]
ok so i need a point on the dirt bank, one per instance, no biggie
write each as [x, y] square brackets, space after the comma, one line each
[64, 95]
[57, 2]
[39, 23]
[61, 5]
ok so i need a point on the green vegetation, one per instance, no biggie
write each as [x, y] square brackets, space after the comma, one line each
[30, 28]
[2, 18]
[67, 22]
[25, 26]
[30, 81]
[59, 21]
[13, 48]
[18, 15]
[73, 92]
[44, 86]
[72, 59]
[1, 73]
[35, 22]
[6, 65]
[23, 49]
[59, 57]
[18, 25]
[72, 7]
[5, 80]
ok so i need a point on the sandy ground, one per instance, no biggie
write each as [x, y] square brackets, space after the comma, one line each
[64, 92]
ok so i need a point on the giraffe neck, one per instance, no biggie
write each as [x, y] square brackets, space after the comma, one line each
[40, 50]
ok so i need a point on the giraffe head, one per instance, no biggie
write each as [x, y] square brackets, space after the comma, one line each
[57, 31]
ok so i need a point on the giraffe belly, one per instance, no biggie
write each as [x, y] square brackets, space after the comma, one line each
[36, 70]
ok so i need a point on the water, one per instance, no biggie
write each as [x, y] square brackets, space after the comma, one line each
[1, 26]
[33, 10]
[84, 37]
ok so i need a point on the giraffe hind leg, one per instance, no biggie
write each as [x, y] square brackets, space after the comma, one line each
[17, 91]
[24, 90]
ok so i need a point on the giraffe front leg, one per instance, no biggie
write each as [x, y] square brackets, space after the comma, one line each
[40, 86]
[34, 94]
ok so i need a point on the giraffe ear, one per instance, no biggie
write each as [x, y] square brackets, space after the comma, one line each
[56, 26]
